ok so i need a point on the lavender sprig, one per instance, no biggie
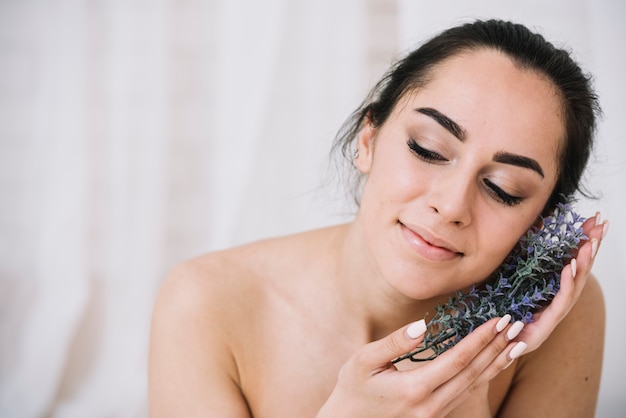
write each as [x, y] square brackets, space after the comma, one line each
[526, 281]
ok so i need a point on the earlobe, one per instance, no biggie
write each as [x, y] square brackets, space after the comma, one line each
[365, 148]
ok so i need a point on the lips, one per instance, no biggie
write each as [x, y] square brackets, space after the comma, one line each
[428, 245]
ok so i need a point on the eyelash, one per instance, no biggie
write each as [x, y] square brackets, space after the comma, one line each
[501, 195]
[433, 157]
[423, 153]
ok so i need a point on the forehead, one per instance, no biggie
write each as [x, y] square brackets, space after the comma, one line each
[496, 102]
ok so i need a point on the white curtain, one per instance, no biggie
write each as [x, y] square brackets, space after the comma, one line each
[135, 134]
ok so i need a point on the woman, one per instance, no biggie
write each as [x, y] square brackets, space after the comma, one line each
[462, 147]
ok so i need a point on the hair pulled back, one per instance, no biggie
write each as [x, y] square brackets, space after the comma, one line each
[528, 50]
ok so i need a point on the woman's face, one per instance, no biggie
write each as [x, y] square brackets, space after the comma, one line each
[459, 171]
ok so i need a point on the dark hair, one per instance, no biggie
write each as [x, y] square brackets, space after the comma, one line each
[528, 50]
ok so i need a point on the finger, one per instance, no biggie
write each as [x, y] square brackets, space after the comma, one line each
[595, 231]
[590, 223]
[482, 353]
[592, 228]
[378, 354]
[598, 233]
[497, 356]
[573, 279]
[595, 228]
[503, 359]
[574, 275]
[458, 358]
[580, 267]
[511, 352]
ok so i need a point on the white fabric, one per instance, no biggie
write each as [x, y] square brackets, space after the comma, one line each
[135, 134]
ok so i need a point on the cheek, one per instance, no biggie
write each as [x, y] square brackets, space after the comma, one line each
[399, 179]
[501, 238]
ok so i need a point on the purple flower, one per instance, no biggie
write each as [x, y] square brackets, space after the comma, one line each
[526, 281]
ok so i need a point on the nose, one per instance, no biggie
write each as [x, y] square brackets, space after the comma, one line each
[451, 196]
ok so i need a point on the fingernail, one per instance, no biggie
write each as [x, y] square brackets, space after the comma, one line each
[416, 329]
[598, 218]
[515, 329]
[573, 267]
[503, 322]
[605, 229]
[594, 247]
[518, 350]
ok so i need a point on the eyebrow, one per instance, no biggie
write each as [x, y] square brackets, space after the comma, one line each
[500, 157]
[518, 160]
[450, 125]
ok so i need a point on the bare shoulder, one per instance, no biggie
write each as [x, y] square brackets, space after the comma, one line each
[188, 340]
[203, 314]
[562, 377]
[212, 283]
[192, 367]
[207, 283]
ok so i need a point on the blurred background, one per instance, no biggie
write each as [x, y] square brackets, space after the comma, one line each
[135, 134]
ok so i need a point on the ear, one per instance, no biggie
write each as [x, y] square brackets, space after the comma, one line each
[365, 147]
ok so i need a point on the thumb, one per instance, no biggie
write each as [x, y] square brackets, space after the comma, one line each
[380, 353]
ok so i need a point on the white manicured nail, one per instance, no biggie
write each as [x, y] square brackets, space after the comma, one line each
[503, 322]
[594, 248]
[517, 351]
[605, 229]
[515, 329]
[573, 267]
[416, 329]
[597, 218]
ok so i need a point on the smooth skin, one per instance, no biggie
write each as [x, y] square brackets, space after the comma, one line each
[307, 325]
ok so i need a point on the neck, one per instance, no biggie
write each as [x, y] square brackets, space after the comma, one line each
[374, 307]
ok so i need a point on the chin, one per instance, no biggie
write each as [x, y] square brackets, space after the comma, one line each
[424, 290]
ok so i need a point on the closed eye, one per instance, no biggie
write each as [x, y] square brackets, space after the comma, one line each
[502, 196]
[423, 153]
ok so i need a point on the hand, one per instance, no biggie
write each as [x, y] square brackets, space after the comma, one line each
[573, 279]
[475, 406]
[369, 385]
